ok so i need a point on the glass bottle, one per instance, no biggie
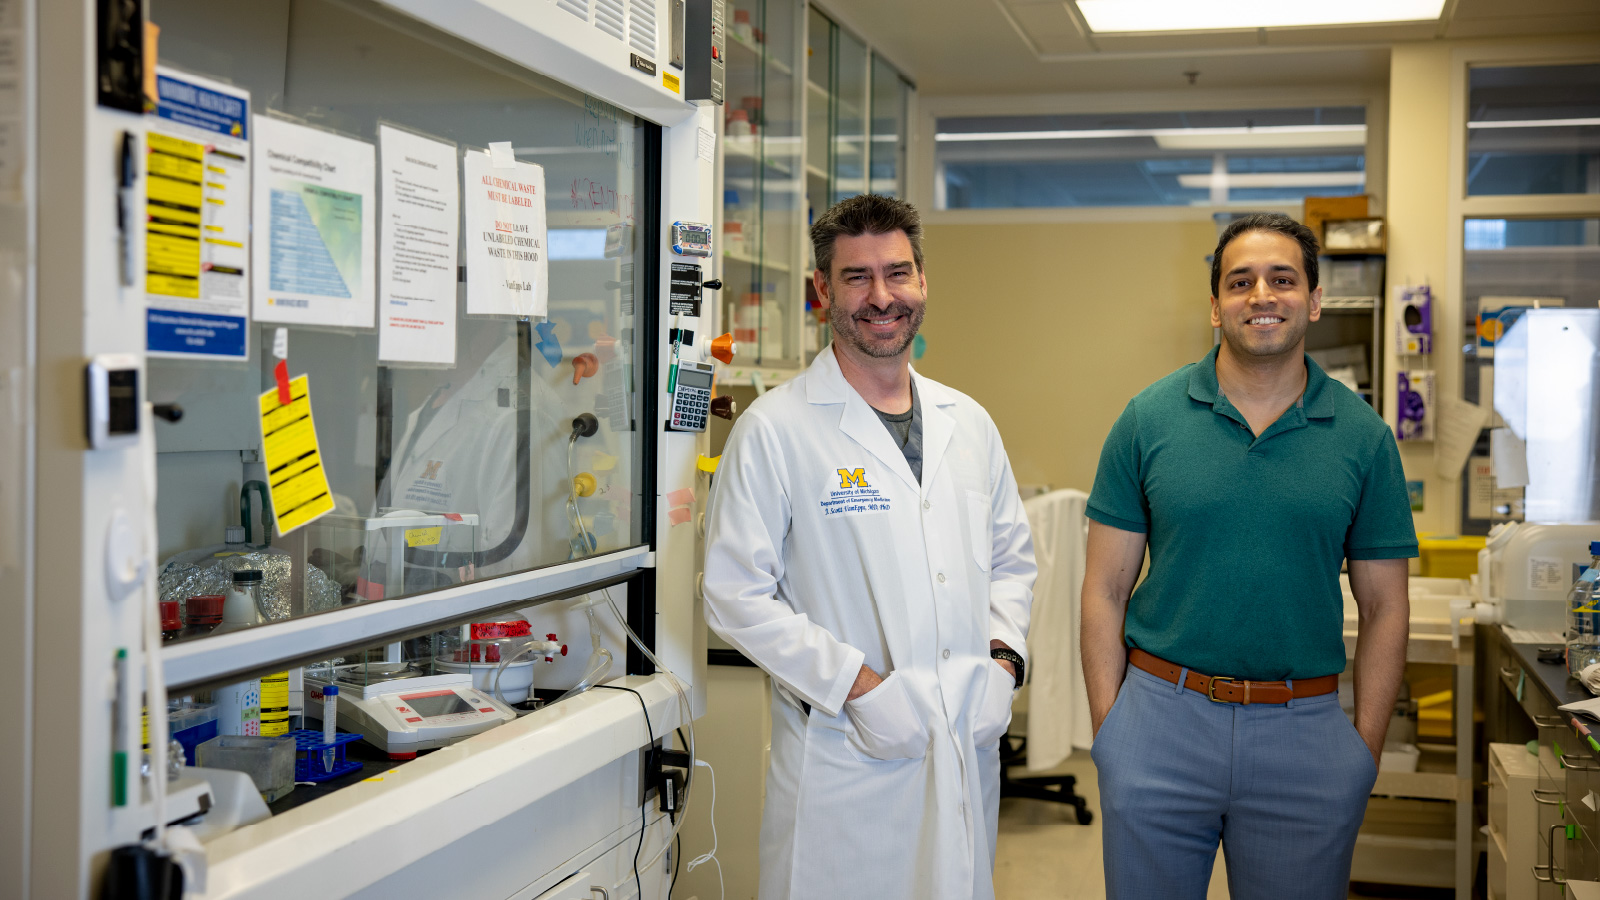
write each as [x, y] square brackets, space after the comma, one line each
[1583, 616]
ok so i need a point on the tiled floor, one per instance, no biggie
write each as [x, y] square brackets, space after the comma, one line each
[1044, 853]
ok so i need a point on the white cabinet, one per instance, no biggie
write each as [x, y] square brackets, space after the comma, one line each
[1513, 822]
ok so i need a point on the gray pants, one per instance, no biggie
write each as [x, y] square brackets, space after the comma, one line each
[1283, 787]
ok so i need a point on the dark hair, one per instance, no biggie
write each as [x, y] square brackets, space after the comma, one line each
[1277, 222]
[865, 214]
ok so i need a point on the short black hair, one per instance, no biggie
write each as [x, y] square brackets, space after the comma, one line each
[1277, 222]
[865, 214]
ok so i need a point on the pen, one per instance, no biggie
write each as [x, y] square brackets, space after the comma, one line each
[119, 756]
[125, 204]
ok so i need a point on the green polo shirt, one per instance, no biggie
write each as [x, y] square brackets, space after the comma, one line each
[1246, 533]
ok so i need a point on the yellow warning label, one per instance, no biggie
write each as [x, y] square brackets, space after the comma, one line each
[172, 229]
[275, 704]
[296, 481]
[423, 537]
[669, 81]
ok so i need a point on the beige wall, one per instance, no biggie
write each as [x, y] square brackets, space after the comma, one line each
[1054, 327]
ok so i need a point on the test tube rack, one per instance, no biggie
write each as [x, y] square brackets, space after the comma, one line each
[309, 746]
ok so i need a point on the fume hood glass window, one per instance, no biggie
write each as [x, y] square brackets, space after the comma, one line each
[526, 450]
[1533, 130]
[1511, 266]
[1204, 158]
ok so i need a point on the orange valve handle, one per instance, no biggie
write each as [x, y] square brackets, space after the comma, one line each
[583, 366]
[723, 348]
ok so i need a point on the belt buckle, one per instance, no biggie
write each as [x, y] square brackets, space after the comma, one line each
[1211, 688]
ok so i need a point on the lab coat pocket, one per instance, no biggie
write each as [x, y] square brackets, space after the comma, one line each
[978, 528]
[994, 715]
[886, 722]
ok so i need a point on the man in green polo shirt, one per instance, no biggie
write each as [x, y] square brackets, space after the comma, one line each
[1213, 689]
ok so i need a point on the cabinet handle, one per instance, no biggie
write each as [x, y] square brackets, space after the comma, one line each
[1555, 721]
[1508, 671]
[605, 894]
[1550, 861]
[1538, 799]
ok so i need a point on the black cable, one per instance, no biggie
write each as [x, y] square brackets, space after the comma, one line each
[650, 739]
[677, 863]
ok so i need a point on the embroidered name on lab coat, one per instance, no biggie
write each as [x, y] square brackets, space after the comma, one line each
[851, 494]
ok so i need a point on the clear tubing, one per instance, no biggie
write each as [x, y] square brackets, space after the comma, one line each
[687, 709]
[500, 669]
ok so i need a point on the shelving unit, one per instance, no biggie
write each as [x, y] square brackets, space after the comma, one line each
[812, 116]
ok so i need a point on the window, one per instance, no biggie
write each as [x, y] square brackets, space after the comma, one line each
[1205, 158]
[1533, 130]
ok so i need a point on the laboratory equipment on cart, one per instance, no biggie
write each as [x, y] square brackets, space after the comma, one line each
[401, 710]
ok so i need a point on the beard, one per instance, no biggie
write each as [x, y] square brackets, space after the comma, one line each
[846, 329]
[1238, 337]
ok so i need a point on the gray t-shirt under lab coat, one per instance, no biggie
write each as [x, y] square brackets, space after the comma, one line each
[906, 429]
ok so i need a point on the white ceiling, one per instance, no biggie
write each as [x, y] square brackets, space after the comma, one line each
[1042, 46]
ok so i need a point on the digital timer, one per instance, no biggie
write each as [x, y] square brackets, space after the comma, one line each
[691, 239]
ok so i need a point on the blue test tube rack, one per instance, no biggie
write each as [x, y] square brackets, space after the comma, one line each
[308, 747]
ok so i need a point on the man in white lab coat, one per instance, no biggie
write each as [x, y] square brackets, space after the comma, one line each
[867, 548]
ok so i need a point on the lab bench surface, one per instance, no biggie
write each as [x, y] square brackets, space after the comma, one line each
[373, 762]
[1551, 679]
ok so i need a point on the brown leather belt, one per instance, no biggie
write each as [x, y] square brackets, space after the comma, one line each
[1222, 689]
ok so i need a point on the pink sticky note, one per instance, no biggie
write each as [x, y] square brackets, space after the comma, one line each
[680, 497]
[678, 516]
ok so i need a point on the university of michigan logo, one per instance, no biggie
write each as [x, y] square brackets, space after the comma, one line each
[432, 471]
[852, 478]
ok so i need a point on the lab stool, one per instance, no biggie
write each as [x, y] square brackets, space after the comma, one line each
[1049, 788]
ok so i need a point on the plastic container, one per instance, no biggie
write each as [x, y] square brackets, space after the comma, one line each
[1449, 556]
[239, 708]
[1583, 616]
[202, 614]
[269, 761]
[171, 619]
[242, 606]
[192, 724]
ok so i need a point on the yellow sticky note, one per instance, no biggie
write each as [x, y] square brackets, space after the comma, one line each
[669, 81]
[423, 537]
[295, 480]
[707, 463]
[603, 461]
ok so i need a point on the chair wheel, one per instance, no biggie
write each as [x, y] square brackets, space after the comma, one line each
[1085, 817]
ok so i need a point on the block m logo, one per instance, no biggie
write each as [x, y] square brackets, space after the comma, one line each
[432, 470]
[852, 478]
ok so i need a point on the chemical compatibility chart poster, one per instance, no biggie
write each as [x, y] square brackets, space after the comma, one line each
[417, 249]
[313, 252]
[508, 272]
[197, 219]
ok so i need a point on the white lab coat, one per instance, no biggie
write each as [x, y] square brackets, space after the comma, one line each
[1058, 702]
[463, 460]
[824, 553]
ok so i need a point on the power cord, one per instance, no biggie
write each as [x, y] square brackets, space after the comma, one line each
[650, 737]
[711, 856]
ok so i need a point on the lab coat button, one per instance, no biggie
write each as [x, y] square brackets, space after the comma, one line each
[927, 504]
[941, 578]
[947, 654]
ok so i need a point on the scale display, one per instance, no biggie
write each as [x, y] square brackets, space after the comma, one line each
[402, 714]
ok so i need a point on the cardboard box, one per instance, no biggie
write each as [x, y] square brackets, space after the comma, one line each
[1320, 209]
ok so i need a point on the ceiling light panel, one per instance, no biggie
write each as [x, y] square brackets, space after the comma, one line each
[1131, 16]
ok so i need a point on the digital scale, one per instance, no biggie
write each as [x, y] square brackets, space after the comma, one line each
[691, 396]
[401, 711]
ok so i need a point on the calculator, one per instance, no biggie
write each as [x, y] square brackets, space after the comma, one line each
[691, 396]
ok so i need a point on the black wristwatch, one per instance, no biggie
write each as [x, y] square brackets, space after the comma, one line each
[1013, 657]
